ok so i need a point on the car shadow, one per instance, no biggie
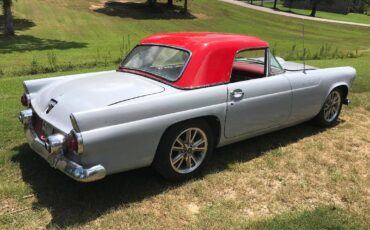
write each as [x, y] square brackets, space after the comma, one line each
[71, 203]
[141, 11]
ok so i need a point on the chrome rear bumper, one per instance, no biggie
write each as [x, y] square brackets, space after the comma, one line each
[59, 161]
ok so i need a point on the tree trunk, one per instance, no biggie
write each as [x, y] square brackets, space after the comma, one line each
[152, 2]
[275, 4]
[186, 6]
[314, 9]
[170, 3]
[9, 28]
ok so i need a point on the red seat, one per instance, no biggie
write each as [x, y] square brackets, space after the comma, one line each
[248, 70]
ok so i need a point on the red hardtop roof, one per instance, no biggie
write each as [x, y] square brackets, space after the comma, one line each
[212, 55]
[195, 40]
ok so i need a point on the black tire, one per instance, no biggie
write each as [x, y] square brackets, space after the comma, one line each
[166, 153]
[321, 119]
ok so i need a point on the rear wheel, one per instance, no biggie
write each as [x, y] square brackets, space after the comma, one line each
[331, 109]
[184, 150]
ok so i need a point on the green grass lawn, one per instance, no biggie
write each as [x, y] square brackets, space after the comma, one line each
[351, 17]
[302, 177]
[83, 33]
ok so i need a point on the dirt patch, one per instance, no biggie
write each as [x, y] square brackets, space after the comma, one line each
[193, 208]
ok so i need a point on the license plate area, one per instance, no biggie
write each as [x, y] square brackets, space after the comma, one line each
[47, 129]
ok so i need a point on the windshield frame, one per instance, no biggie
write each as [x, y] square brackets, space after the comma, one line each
[272, 56]
[156, 75]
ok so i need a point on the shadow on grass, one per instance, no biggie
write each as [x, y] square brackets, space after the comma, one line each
[291, 12]
[24, 43]
[72, 203]
[19, 23]
[325, 217]
[141, 11]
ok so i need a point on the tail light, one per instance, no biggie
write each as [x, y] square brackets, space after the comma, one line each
[74, 142]
[25, 99]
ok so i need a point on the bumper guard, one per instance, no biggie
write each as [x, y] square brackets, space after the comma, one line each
[59, 161]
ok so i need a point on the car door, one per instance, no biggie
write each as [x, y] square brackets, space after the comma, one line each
[256, 102]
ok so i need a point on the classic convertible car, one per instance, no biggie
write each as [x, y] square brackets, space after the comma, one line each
[173, 99]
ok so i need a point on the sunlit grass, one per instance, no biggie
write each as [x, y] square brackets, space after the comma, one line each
[351, 17]
[302, 177]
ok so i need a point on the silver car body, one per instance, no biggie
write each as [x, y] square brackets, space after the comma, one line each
[122, 117]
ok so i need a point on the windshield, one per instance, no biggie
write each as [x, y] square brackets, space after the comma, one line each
[162, 61]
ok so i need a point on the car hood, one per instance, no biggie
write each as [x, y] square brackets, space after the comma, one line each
[56, 101]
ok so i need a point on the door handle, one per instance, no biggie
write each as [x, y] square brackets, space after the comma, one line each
[237, 94]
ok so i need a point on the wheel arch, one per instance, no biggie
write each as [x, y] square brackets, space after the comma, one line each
[342, 86]
[212, 120]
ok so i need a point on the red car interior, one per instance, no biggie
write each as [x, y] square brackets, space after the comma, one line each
[246, 71]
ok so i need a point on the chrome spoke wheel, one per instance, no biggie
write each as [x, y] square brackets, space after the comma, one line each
[332, 106]
[189, 150]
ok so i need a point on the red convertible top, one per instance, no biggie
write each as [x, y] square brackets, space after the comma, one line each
[212, 55]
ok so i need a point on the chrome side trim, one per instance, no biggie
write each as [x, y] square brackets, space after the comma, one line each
[60, 162]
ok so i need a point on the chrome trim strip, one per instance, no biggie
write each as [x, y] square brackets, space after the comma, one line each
[79, 141]
[74, 122]
[60, 162]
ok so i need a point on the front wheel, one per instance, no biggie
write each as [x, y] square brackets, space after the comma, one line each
[184, 150]
[331, 109]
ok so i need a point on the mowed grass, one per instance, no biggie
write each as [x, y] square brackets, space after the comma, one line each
[351, 17]
[303, 177]
[84, 32]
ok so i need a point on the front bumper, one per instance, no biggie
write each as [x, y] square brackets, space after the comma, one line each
[59, 161]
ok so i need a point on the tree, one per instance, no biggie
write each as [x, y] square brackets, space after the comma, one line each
[290, 3]
[152, 2]
[185, 6]
[314, 7]
[275, 4]
[359, 6]
[170, 3]
[315, 3]
[8, 28]
[185, 9]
